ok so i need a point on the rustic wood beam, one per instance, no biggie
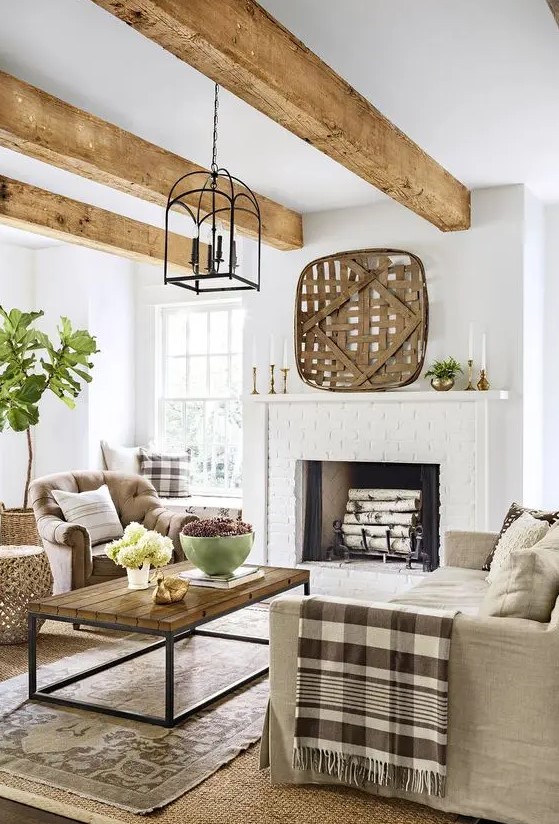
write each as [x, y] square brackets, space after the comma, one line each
[554, 6]
[39, 125]
[244, 49]
[36, 210]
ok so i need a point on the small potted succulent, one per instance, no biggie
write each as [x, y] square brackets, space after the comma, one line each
[443, 373]
[217, 546]
[137, 550]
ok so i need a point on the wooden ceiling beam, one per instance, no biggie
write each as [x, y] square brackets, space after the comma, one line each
[45, 213]
[554, 7]
[244, 49]
[41, 126]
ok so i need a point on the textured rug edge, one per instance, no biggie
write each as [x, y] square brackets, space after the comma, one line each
[49, 805]
[249, 737]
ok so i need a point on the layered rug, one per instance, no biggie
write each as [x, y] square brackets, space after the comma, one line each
[84, 765]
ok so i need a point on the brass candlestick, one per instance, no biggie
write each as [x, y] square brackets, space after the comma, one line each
[284, 372]
[470, 387]
[483, 384]
[254, 389]
[272, 380]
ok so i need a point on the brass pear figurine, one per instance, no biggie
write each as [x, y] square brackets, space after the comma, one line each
[169, 590]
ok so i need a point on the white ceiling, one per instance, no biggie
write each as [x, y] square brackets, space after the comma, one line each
[474, 82]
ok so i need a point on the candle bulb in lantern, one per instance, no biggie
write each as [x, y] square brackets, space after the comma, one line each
[471, 342]
[234, 257]
[219, 256]
[210, 258]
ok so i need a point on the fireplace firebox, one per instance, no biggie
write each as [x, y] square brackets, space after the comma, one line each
[371, 511]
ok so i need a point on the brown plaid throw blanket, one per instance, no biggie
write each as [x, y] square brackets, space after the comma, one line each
[372, 694]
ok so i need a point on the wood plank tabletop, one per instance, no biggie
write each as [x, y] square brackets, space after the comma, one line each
[114, 603]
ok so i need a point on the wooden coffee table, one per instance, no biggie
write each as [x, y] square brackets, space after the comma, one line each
[113, 606]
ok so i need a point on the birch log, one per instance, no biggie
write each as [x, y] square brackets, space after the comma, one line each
[397, 545]
[405, 505]
[388, 518]
[376, 531]
[383, 494]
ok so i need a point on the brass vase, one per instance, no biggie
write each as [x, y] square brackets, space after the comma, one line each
[442, 384]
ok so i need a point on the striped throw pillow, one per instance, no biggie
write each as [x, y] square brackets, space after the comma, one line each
[93, 510]
[170, 474]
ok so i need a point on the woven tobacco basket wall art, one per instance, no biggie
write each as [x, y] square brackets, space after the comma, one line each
[362, 320]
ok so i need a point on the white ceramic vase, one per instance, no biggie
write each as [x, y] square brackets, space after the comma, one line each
[138, 578]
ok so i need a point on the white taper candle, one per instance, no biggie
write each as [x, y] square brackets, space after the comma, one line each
[272, 352]
[471, 342]
[484, 351]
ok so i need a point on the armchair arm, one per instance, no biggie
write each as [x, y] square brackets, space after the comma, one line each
[68, 547]
[468, 549]
[169, 523]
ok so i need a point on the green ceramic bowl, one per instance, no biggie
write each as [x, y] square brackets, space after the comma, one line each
[217, 556]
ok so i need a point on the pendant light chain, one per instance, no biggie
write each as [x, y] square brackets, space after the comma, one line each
[214, 166]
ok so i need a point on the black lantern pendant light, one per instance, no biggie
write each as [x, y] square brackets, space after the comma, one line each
[213, 201]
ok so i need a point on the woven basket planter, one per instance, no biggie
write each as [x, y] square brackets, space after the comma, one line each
[18, 527]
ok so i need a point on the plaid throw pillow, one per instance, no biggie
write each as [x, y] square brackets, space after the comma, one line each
[170, 474]
[515, 511]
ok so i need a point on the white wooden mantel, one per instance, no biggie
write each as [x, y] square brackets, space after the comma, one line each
[395, 396]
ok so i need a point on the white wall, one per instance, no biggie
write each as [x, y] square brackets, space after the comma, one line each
[96, 291]
[471, 276]
[550, 360]
[533, 368]
[16, 291]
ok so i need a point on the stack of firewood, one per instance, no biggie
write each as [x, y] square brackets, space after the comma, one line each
[380, 520]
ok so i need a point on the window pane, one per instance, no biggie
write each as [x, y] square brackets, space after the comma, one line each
[173, 422]
[176, 333]
[236, 382]
[215, 422]
[234, 468]
[198, 333]
[219, 376]
[176, 378]
[194, 440]
[234, 423]
[197, 378]
[219, 332]
[237, 318]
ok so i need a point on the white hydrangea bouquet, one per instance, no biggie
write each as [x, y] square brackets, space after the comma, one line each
[137, 550]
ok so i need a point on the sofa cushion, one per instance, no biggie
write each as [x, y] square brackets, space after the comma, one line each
[170, 474]
[515, 511]
[93, 510]
[448, 588]
[526, 586]
[121, 458]
[523, 533]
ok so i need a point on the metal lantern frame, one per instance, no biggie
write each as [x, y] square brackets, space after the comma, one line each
[226, 196]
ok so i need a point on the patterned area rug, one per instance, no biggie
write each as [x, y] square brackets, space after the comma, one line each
[128, 764]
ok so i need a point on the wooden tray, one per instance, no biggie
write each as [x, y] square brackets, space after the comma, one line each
[362, 320]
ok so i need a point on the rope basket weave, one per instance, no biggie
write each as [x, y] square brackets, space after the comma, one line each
[18, 527]
[25, 575]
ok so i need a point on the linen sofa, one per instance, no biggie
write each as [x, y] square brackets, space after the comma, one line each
[503, 733]
[75, 563]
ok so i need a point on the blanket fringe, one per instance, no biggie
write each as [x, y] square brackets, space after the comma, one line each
[352, 769]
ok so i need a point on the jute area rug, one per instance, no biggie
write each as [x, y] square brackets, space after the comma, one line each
[238, 792]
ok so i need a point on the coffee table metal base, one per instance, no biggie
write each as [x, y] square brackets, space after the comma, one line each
[169, 640]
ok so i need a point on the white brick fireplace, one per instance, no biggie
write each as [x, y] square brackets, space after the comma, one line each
[452, 430]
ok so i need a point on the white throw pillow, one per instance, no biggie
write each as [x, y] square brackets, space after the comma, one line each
[121, 458]
[521, 534]
[93, 510]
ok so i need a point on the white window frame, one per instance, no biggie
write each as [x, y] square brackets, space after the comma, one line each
[163, 313]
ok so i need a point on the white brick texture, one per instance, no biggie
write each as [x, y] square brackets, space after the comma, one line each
[446, 433]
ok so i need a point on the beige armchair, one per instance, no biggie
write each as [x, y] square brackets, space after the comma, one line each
[75, 563]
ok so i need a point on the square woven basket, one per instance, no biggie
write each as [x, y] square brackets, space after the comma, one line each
[362, 320]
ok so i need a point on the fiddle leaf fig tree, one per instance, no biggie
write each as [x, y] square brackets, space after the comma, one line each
[32, 364]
